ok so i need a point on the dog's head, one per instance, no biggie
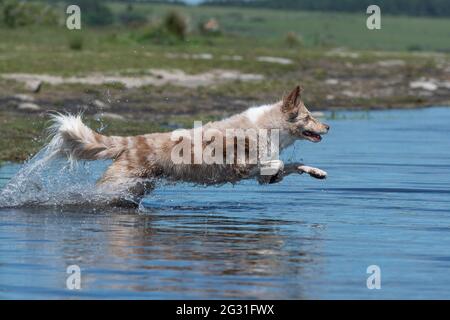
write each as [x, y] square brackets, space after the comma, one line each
[299, 121]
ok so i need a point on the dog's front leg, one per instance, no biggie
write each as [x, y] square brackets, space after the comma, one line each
[301, 168]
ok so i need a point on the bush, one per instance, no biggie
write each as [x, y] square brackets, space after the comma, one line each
[176, 24]
[16, 13]
[292, 40]
[94, 12]
[172, 30]
[76, 41]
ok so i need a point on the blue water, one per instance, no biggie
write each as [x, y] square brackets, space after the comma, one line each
[386, 203]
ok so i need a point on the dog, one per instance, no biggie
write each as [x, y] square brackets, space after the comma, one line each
[140, 161]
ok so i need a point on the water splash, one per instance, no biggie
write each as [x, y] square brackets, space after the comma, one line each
[50, 179]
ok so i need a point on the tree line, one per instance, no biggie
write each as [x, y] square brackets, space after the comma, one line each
[433, 8]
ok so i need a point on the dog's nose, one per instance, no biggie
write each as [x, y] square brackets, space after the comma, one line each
[327, 127]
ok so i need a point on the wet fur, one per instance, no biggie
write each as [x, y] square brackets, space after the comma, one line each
[139, 161]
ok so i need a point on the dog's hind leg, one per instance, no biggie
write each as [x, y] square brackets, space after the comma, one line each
[124, 188]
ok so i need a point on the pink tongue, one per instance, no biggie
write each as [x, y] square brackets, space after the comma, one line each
[313, 135]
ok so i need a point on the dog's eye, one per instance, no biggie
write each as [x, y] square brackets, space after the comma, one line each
[292, 117]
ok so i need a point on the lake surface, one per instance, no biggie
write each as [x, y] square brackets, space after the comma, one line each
[386, 203]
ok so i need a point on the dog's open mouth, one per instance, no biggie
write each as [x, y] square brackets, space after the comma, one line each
[312, 136]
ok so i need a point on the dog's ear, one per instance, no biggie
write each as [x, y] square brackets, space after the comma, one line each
[292, 101]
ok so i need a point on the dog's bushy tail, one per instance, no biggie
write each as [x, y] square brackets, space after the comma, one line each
[70, 136]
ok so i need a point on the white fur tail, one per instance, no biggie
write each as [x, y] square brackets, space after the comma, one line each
[74, 139]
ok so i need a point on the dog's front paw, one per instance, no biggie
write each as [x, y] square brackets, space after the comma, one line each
[313, 172]
[318, 174]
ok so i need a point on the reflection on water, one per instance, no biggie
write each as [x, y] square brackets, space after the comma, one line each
[161, 255]
[386, 202]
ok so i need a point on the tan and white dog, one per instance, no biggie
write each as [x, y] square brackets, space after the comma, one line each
[139, 161]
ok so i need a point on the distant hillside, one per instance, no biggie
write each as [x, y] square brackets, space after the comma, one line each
[437, 8]
[432, 8]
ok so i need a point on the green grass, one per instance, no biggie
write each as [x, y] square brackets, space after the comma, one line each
[23, 136]
[318, 28]
[44, 50]
[247, 32]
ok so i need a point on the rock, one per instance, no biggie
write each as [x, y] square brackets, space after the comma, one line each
[23, 97]
[197, 56]
[275, 60]
[332, 81]
[156, 77]
[100, 104]
[202, 56]
[29, 106]
[423, 84]
[33, 85]
[391, 63]
[232, 58]
[343, 53]
[444, 84]
[108, 115]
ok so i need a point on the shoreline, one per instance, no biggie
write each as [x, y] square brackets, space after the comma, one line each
[381, 108]
[23, 136]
